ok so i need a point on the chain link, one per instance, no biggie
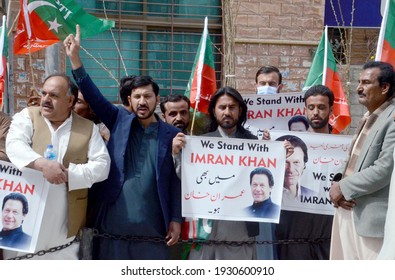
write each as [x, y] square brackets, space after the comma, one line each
[96, 233]
[50, 250]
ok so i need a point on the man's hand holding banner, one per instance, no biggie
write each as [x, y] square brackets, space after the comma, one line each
[232, 179]
[318, 158]
[216, 178]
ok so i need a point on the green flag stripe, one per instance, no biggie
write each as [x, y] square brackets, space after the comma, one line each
[68, 14]
[209, 58]
[390, 25]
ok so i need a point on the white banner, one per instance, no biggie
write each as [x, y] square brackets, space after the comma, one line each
[272, 111]
[21, 223]
[327, 156]
[216, 178]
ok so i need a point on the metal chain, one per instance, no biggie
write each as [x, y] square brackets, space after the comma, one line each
[50, 250]
[96, 233]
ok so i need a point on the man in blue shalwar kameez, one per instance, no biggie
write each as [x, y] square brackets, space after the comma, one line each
[142, 195]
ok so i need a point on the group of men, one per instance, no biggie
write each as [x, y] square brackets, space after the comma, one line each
[135, 174]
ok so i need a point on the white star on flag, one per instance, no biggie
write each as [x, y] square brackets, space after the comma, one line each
[54, 25]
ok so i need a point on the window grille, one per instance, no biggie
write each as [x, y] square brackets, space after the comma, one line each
[159, 38]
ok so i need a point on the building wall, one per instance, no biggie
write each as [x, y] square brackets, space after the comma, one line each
[281, 33]
[285, 33]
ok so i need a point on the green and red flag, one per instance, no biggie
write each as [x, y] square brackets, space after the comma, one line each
[3, 64]
[202, 83]
[43, 23]
[386, 44]
[323, 71]
[194, 229]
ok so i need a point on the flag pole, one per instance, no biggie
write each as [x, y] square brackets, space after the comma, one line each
[33, 89]
[380, 42]
[199, 71]
[3, 70]
[194, 116]
[13, 24]
[325, 55]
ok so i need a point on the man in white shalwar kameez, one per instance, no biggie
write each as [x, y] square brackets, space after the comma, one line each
[81, 160]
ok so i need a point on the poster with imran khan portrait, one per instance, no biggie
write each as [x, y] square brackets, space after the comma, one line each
[22, 195]
[312, 174]
[216, 179]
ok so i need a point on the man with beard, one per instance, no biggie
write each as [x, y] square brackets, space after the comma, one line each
[319, 101]
[175, 110]
[316, 228]
[228, 113]
[141, 200]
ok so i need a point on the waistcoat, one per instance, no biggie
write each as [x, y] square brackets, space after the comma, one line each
[76, 152]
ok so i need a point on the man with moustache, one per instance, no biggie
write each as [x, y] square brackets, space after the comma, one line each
[315, 228]
[175, 111]
[81, 160]
[361, 197]
[142, 196]
[228, 113]
[318, 102]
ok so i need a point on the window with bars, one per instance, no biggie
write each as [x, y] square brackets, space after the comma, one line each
[155, 37]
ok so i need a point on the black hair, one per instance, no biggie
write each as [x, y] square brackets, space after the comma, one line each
[387, 74]
[264, 171]
[21, 198]
[73, 89]
[174, 98]
[296, 142]
[129, 83]
[320, 90]
[267, 70]
[235, 95]
[298, 118]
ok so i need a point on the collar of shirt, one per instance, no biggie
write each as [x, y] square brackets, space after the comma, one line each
[224, 134]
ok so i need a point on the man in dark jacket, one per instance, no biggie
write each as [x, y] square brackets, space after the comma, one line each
[142, 195]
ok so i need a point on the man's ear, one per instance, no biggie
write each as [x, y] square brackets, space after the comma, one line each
[385, 88]
[280, 88]
[72, 98]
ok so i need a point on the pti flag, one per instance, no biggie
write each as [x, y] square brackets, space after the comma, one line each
[386, 44]
[323, 71]
[202, 83]
[4, 54]
[197, 229]
[43, 23]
